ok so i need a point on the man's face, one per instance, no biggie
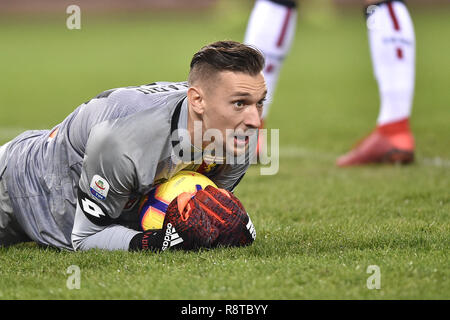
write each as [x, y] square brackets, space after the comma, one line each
[233, 105]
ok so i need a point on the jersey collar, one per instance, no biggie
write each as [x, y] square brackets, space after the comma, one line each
[180, 121]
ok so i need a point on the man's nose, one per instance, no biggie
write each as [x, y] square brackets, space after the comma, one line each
[253, 117]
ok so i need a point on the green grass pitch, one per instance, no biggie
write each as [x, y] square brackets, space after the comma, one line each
[319, 228]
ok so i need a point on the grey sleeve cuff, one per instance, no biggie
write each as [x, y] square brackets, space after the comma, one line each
[87, 235]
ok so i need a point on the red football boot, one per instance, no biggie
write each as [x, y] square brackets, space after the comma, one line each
[389, 143]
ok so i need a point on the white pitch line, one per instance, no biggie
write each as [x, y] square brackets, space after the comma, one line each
[292, 152]
[435, 162]
[288, 152]
[10, 132]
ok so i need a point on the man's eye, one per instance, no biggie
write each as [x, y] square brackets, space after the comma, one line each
[239, 104]
[260, 104]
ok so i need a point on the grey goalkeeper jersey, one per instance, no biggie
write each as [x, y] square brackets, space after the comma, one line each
[74, 186]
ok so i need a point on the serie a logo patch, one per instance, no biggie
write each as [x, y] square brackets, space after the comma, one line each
[99, 187]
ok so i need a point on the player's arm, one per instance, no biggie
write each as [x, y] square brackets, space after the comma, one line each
[88, 235]
[107, 179]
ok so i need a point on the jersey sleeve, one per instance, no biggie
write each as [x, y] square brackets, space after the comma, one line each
[108, 175]
[88, 235]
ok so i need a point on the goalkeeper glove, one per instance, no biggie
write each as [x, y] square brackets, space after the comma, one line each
[230, 217]
[186, 226]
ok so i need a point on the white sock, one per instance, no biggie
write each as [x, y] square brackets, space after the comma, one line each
[271, 29]
[392, 45]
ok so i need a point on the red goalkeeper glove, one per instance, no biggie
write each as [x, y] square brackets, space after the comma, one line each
[229, 216]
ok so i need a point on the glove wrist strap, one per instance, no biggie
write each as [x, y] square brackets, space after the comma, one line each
[148, 240]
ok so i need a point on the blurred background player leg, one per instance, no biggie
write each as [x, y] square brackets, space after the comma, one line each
[392, 45]
[271, 28]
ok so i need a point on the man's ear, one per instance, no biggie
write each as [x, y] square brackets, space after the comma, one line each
[196, 99]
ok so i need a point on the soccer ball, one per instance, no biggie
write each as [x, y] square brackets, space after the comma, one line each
[153, 206]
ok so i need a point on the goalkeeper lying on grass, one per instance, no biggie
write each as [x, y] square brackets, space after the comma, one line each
[75, 187]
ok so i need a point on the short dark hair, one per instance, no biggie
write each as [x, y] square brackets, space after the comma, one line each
[225, 56]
